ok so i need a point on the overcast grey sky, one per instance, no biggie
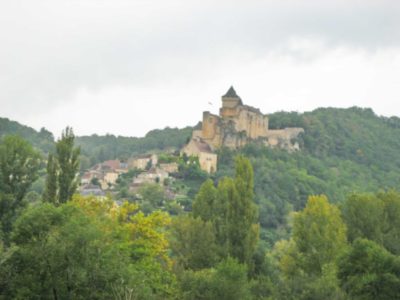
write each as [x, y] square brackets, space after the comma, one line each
[126, 67]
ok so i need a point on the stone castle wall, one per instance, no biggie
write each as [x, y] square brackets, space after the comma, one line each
[284, 138]
[238, 124]
[253, 123]
[210, 125]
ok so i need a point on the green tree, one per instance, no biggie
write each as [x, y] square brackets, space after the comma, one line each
[242, 214]
[391, 239]
[193, 243]
[210, 204]
[228, 280]
[368, 271]
[231, 280]
[197, 285]
[364, 217]
[60, 253]
[152, 197]
[374, 217]
[51, 187]
[68, 162]
[62, 170]
[205, 201]
[19, 164]
[232, 211]
[87, 249]
[308, 260]
[319, 234]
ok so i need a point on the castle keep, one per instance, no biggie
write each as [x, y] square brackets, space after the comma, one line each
[236, 125]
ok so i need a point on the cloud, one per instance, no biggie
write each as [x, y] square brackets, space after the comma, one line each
[53, 50]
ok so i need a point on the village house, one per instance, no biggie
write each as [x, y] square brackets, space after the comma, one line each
[153, 175]
[106, 173]
[142, 162]
[89, 175]
[207, 159]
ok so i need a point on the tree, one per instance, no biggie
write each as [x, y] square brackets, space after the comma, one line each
[51, 187]
[232, 211]
[62, 170]
[391, 237]
[374, 217]
[364, 216]
[242, 213]
[205, 201]
[60, 253]
[210, 204]
[228, 280]
[193, 243]
[308, 260]
[319, 234]
[368, 271]
[152, 197]
[19, 164]
[231, 280]
[68, 162]
[87, 249]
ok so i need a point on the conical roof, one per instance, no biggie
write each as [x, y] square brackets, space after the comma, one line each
[231, 93]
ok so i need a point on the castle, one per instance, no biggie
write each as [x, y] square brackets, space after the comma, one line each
[235, 126]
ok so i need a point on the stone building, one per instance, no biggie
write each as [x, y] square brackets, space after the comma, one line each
[237, 124]
[142, 162]
[207, 159]
[153, 175]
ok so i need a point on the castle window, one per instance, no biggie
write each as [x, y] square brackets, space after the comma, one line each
[210, 120]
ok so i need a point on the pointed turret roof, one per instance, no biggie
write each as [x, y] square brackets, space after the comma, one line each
[231, 93]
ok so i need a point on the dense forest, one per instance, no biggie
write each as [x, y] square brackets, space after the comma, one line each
[320, 223]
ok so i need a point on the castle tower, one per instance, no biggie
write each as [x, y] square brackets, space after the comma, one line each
[209, 125]
[230, 103]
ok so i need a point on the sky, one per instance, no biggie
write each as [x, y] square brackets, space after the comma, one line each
[126, 67]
